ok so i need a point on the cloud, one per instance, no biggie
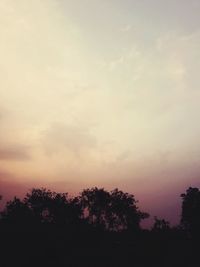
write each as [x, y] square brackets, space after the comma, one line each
[63, 137]
[10, 149]
[14, 152]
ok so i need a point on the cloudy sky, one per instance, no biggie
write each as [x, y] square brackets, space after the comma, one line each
[101, 93]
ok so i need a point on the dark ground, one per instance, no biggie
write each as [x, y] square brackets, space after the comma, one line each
[57, 248]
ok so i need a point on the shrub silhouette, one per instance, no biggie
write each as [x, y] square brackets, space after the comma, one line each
[160, 225]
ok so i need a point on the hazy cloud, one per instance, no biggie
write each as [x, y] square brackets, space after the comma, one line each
[14, 152]
[63, 137]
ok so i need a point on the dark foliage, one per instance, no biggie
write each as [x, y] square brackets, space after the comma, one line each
[113, 211]
[97, 228]
[190, 218]
[161, 225]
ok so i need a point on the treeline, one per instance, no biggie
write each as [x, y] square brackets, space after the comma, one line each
[95, 228]
[94, 208]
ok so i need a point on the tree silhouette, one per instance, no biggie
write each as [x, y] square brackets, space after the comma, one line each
[113, 211]
[160, 225]
[96, 228]
[42, 206]
[190, 217]
[52, 207]
[95, 203]
[40, 202]
[125, 213]
[17, 213]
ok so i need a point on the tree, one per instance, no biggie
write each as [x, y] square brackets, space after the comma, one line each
[95, 203]
[190, 217]
[113, 211]
[160, 225]
[125, 213]
[40, 202]
[43, 206]
[17, 213]
[52, 207]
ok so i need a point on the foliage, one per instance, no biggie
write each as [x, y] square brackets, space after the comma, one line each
[160, 225]
[112, 211]
[17, 213]
[190, 218]
[96, 228]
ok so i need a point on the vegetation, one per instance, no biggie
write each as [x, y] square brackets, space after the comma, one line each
[95, 228]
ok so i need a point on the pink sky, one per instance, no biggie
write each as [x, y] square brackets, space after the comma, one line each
[101, 93]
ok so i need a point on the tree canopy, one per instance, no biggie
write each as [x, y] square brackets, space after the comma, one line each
[108, 211]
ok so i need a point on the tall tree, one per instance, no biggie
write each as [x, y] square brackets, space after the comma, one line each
[190, 217]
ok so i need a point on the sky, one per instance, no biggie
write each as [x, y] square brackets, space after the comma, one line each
[101, 93]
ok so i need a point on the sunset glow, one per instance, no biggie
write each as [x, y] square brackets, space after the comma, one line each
[101, 93]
